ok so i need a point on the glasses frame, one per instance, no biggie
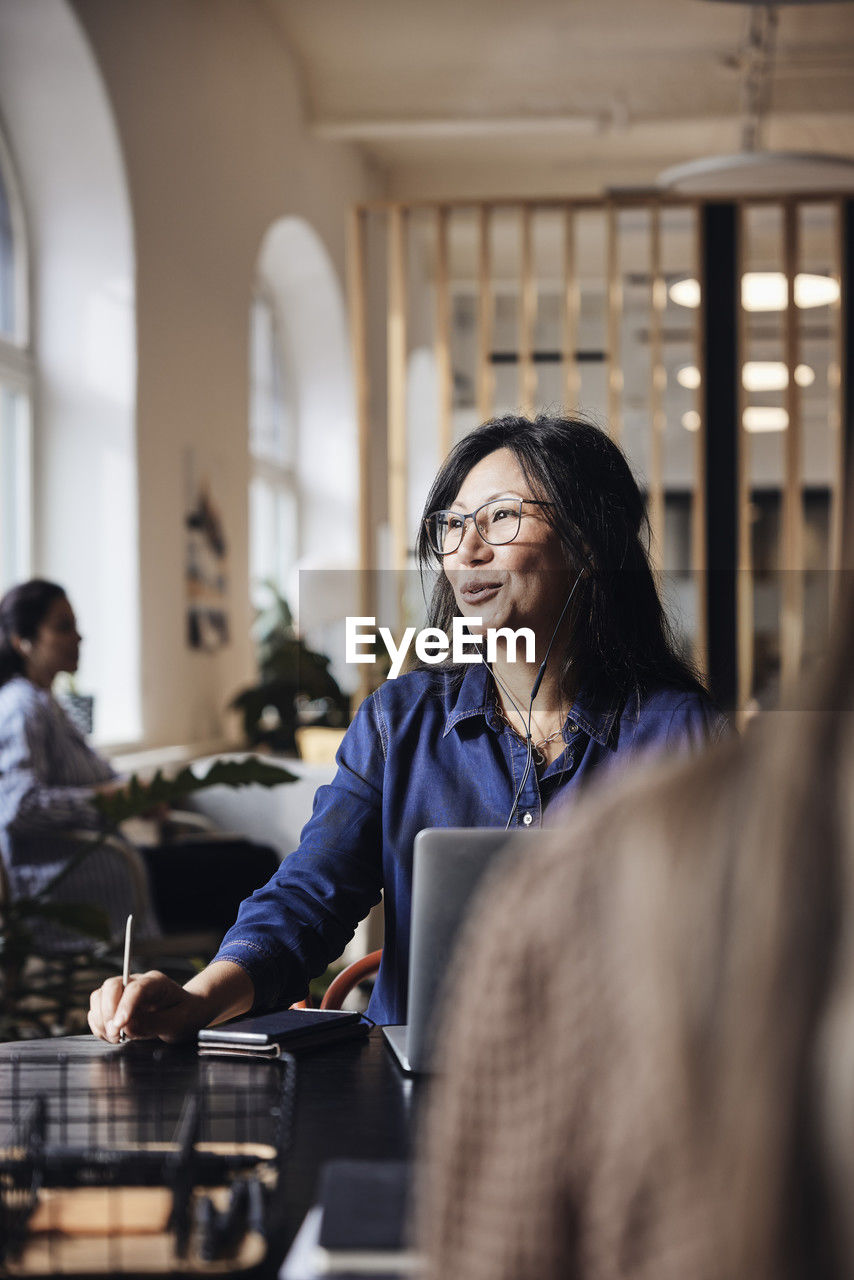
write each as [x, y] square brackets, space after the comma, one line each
[472, 515]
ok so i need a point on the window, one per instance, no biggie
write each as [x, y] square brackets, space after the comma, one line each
[16, 376]
[273, 504]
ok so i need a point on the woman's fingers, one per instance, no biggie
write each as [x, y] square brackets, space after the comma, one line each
[151, 1005]
[102, 1006]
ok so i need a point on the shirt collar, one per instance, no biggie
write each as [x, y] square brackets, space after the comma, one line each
[594, 713]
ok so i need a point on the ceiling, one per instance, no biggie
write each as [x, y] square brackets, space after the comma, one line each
[495, 97]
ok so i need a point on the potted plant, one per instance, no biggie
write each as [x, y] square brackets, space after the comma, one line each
[295, 686]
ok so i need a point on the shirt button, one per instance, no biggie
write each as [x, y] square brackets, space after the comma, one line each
[571, 726]
[527, 819]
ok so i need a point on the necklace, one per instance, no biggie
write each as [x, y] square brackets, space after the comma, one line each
[536, 747]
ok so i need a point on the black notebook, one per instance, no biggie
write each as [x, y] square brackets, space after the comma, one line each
[289, 1031]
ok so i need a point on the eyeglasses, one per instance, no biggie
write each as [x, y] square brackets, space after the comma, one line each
[497, 522]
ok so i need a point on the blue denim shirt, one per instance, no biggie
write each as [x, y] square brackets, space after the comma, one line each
[425, 751]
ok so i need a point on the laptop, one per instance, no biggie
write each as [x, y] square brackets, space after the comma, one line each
[449, 864]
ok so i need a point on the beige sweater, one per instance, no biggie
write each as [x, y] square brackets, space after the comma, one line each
[580, 1126]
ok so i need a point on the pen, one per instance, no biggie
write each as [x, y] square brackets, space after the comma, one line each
[126, 964]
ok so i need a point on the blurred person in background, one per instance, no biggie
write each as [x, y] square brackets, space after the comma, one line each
[49, 776]
[649, 1069]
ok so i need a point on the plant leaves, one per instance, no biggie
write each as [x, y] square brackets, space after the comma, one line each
[139, 797]
[84, 917]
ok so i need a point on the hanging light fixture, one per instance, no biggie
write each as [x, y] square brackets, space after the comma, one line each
[754, 170]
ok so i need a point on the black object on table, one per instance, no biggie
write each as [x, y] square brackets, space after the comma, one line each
[351, 1102]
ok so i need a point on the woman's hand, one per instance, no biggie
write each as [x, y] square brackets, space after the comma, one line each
[152, 1006]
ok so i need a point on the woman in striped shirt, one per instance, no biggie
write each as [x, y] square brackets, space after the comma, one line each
[48, 774]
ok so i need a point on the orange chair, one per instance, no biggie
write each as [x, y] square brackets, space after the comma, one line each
[344, 982]
[341, 986]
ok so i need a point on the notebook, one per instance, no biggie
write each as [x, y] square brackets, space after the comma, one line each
[288, 1031]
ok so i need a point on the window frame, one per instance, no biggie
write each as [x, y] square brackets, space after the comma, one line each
[279, 476]
[17, 367]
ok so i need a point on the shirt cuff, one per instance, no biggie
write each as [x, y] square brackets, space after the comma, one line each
[278, 980]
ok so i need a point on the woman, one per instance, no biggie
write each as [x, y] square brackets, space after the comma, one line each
[49, 777]
[534, 524]
[683, 989]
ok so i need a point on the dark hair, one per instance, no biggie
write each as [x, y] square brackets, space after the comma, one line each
[23, 609]
[620, 636]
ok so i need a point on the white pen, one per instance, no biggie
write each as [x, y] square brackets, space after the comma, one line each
[126, 965]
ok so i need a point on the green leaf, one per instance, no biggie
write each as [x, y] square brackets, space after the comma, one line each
[83, 917]
[139, 797]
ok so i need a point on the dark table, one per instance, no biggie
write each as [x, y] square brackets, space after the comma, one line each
[351, 1101]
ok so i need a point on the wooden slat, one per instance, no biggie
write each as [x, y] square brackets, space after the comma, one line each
[630, 200]
[485, 317]
[443, 335]
[657, 387]
[527, 317]
[572, 311]
[614, 296]
[792, 616]
[744, 591]
[699, 548]
[356, 275]
[837, 483]
[397, 303]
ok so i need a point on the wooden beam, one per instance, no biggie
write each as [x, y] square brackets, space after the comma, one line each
[356, 278]
[572, 309]
[397, 340]
[485, 316]
[657, 388]
[836, 416]
[792, 614]
[614, 295]
[443, 335]
[527, 317]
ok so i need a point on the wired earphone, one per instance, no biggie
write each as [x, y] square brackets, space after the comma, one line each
[535, 688]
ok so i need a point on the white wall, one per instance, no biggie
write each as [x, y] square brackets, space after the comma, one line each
[77, 211]
[207, 107]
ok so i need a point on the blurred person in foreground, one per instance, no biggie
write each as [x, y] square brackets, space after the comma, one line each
[650, 1069]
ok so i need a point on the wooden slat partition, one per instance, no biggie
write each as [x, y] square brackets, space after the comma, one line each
[397, 338]
[443, 335]
[396, 223]
[792, 619]
[614, 295]
[484, 316]
[527, 317]
[658, 383]
[572, 309]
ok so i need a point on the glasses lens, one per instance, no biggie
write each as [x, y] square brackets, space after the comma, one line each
[444, 531]
[498, 522]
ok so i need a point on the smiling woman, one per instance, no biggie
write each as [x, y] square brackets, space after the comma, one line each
[541, 522]
[537, 526]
